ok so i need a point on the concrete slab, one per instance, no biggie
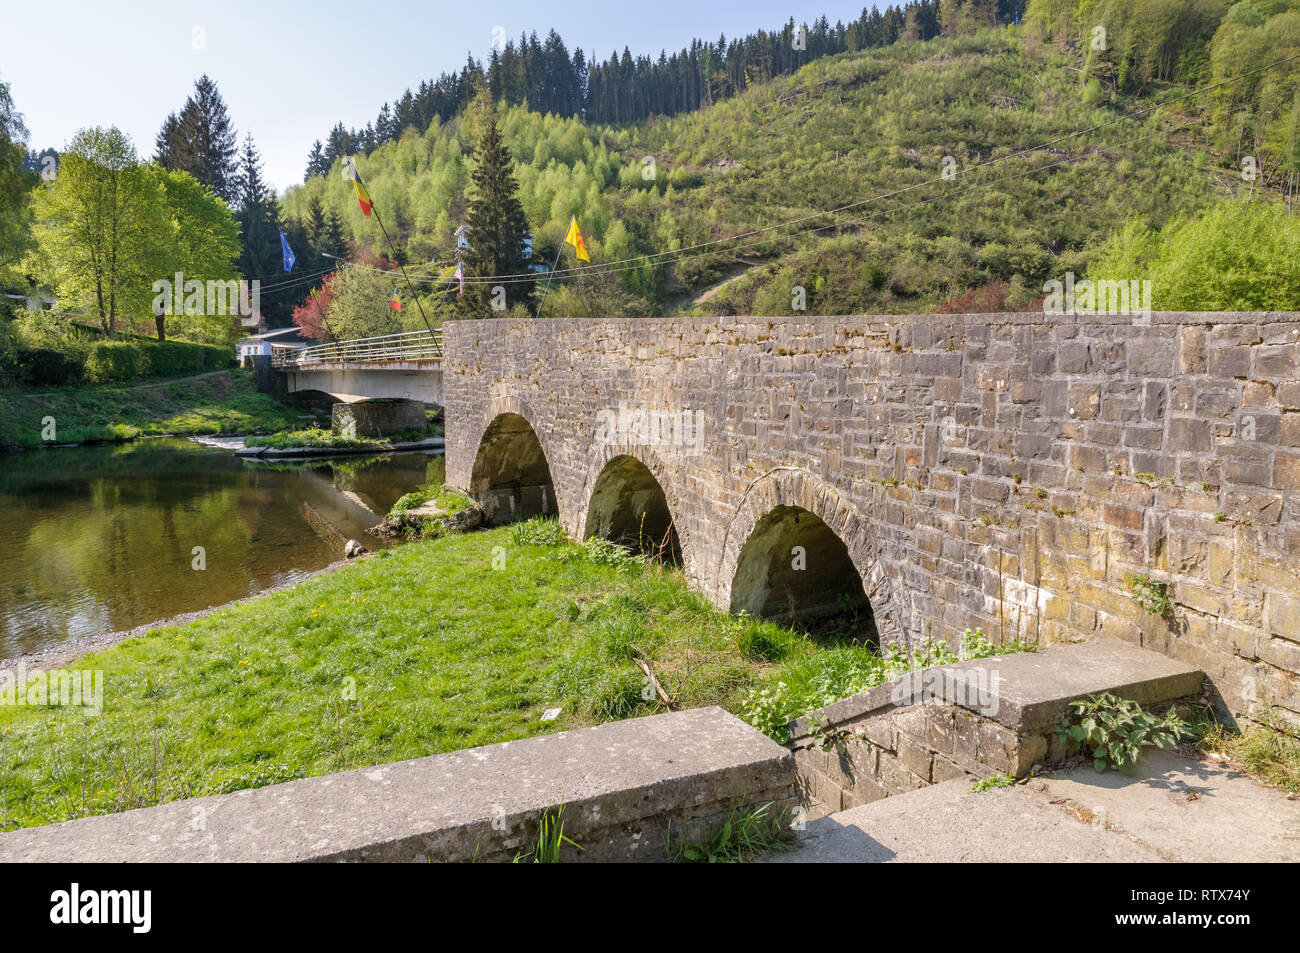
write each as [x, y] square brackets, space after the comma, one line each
[1174, 808]
[1027, 692]
[946, 823]
[620, 784]
[1187, 809]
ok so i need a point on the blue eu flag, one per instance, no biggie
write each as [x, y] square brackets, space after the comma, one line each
[288, 252]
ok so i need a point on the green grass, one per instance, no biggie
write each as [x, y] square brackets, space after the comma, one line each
[418, 650]
[1270, 751]
[223, 403]
[989, 784]
[742, 836]
[551, 840]
[314, 438]
[450, 501]
[435, 646]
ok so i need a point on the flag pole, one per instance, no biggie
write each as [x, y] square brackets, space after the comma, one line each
[374, 207]
[548, 280]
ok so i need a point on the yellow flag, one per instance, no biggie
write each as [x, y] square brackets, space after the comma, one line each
[574, 238]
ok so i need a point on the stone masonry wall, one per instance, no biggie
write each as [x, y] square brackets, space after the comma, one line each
[1007, 472]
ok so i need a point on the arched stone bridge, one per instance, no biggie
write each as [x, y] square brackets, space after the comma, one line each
[1031, 475]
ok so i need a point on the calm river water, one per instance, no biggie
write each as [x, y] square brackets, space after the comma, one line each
[101, 539]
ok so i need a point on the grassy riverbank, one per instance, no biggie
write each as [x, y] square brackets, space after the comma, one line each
[438, 645]
[435, 646]
[226, 402]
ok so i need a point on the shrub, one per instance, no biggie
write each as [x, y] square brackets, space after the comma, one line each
[120, 361]
[46, 367]
[113, 362]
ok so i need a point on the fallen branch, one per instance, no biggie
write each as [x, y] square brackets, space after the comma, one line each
[659, 689]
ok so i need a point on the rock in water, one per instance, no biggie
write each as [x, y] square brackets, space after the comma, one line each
[353, 549]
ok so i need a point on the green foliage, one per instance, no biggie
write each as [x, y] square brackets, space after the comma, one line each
[116, 362]
[770, 710]
[46, 367]
[989, 784]
[95, 226]
[313, 438]
[539, 531]
[843, 128]
[1230, 257]
[550, 841]
[223, 403]
[842, 670]
[450, 501]
[16, 184]
[742, 836]
[1116, 730]
[446, 652]
[498, 226]
[1259, 116]
[1142, 40]
[108, 227]
[602, 552]
[1151, 595]
[1269, 750]
[359, 304]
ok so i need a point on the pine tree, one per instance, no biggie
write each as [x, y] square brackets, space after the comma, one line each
[170, 146]
[316, 164]
[324, 231]
[498, 226]
[259, 221]
[201, 140]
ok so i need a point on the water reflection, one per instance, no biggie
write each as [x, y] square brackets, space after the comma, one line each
[97, 539]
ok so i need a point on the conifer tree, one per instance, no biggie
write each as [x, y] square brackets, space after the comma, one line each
[498, 227]
[201, 140]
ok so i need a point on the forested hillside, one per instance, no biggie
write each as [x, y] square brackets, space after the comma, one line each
[916, 143]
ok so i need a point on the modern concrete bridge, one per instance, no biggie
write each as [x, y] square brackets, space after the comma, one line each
[405, 366]
[1049, 477]
[383, 383]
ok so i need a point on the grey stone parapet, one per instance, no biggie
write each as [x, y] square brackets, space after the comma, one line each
[622, 785]
[976, 718]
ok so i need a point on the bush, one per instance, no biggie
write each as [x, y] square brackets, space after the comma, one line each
[114, 361]
[46, 367]
[119, 361]
[175, 358]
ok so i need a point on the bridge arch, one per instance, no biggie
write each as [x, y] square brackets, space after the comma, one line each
[757, 571]
[631, 498]
[511, 476]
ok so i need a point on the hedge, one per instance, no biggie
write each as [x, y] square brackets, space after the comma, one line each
[120, 361]
[46, 367]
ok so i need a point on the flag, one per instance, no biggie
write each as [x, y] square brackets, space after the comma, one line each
[574, 238]
[393, 302]
[363, 197]
[460, 276]
[288, 252]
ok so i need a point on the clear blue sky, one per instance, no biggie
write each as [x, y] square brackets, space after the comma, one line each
[290, 70]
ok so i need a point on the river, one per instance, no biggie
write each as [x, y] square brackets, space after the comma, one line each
[103, 538]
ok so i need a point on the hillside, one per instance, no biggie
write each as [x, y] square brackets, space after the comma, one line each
[839, 131]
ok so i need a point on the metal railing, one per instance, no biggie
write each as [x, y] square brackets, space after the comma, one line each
[406, 346]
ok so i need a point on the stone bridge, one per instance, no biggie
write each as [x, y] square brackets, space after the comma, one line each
[1031, 475]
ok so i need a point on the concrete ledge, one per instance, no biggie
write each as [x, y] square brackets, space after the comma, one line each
[621, 785]
[973, 719]
[1026, 692]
